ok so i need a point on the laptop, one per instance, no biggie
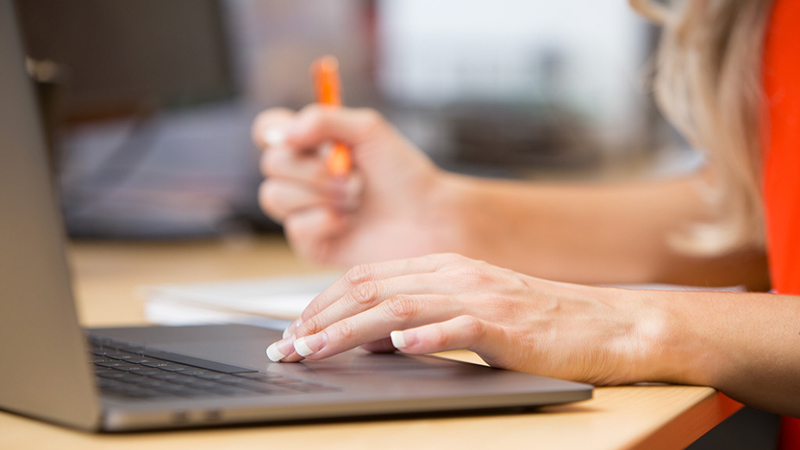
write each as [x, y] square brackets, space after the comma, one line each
[121, 379]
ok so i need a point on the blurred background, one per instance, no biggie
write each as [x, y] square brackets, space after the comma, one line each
[148, 103]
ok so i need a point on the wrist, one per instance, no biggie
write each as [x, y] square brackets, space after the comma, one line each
[673, 349]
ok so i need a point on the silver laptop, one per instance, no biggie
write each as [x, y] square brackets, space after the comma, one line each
[118, 379]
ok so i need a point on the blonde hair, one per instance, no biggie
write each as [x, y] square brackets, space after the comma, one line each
[708, 84]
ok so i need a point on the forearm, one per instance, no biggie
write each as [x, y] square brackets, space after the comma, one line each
[746, 345]
[591, 233]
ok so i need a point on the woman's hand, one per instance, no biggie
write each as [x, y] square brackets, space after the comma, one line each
[446, 302]
[387, 208]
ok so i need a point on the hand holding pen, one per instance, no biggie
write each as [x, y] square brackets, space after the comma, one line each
[370, 197]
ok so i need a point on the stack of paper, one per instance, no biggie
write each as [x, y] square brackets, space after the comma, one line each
[269, 302]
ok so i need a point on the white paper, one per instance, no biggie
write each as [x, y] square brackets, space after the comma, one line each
[279, 299]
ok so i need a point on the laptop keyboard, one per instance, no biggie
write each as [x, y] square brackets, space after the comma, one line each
[132, 372]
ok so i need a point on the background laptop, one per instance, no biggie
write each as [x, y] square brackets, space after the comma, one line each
[158, 377]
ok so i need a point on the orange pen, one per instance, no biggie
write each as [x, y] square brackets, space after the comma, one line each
[325, 72]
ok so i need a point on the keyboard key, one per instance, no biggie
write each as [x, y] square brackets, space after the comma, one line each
[138, 359]
[168, 366]
[103, 359]
[155, 364]
[109, 364]
[116, 354]
[112, 375]
[164, 376]
[129, 368]
[147, 371]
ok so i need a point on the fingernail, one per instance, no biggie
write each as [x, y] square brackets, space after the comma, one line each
[403, 339]
[274, 137]
[398, 340]
[310, 344]
[292, 328]
[279, 350]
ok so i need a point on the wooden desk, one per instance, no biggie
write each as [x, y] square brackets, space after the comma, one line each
[107, 276]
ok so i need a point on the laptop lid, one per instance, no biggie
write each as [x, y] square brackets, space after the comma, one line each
[42, 348]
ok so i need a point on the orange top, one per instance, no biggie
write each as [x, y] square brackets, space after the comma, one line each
[782, 161]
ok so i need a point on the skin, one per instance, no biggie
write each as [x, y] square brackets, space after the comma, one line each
[397, 206]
